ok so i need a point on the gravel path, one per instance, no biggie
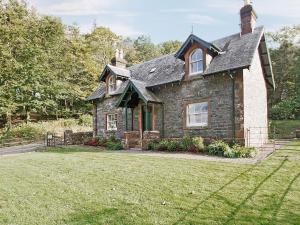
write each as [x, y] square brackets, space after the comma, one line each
[20, 149]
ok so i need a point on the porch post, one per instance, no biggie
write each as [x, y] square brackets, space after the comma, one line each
[126, 118]
[132, 115]
[147, 117]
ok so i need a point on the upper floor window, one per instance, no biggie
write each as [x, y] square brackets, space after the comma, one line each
[112, 86]
[196, 62]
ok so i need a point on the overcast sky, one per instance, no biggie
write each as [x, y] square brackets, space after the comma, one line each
[169, 19]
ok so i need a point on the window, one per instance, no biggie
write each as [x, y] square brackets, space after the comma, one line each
[111, 121]
[196, 62]
[112, 84]
[197, 115]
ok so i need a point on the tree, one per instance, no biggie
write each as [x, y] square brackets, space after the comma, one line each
[285, 62]
[169, 47]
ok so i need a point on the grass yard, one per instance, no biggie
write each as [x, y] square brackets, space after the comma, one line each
[284, 128]
[77, 187]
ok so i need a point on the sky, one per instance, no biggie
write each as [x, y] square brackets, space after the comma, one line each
[165, 20]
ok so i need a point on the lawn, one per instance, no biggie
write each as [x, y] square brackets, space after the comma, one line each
[284, 128]
[78, 187]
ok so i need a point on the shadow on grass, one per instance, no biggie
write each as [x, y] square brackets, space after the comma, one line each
[249, 196]
[105, 216]
[66, 150]
[278, 206]
[213, 194]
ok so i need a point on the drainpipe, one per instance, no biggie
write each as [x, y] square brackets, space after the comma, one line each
[163, 120]
[233, 104]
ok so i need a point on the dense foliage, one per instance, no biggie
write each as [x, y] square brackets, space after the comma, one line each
[111, 143]
[48, 68]
[285, 56]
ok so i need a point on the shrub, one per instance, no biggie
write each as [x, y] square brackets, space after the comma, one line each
[187, 144]
[238, 151]
[85, 120]
[218, 148]
[114, 145]
[198, 143]
[287, 109]
[153, 145]
[92, 142]
[26, 131]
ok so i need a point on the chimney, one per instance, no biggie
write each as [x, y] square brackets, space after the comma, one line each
[248, 18]
[119, 60]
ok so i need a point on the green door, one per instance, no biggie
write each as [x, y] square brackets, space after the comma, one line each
[149, 117]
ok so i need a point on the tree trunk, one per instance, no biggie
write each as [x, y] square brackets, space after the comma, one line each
[8, 119]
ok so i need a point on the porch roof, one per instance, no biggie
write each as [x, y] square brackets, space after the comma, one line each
[138, 87]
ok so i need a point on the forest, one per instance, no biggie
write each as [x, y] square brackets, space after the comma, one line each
[47, 68]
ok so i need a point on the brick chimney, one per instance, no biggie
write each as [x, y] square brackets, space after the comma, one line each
[248, 18]
[119, 60]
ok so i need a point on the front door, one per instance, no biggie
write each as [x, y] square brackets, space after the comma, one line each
[149, 117]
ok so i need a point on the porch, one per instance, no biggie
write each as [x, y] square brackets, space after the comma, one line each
[143, 115]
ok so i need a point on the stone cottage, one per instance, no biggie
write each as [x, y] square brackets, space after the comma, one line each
[211, 89]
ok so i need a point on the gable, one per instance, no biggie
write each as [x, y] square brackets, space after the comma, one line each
[193, 39]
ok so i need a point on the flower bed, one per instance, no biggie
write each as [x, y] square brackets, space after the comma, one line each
[197, 145]
[111, 143]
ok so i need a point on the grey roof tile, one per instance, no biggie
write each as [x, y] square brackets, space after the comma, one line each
[97, 94]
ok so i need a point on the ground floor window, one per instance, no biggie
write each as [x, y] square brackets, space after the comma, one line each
[197, 114]
[112, 121]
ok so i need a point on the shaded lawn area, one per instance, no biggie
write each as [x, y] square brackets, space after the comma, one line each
[284, 128]
[81, 187]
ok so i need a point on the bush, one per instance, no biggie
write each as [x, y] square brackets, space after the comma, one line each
[153, 145]
[27, 131]
[218, 148]
[114, 145]
[287, 109]
[238, 151]
[93, 142]
[187, 144]
[85, 120]
[198, 143]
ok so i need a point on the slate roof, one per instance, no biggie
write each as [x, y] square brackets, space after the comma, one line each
[148, 95]
[167, 69]
[234, 52]
[114, 70]
[238, 51]
[97, 94]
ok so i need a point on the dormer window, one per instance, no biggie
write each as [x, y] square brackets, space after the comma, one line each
[196, 62]
[112, 86]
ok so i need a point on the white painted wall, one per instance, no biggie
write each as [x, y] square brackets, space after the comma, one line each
[255, 103]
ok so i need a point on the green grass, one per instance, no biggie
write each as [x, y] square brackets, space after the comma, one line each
[82, 187]
[284, 128]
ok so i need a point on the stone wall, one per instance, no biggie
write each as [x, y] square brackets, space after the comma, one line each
[107, 106]
[79, 138]
[215, 89]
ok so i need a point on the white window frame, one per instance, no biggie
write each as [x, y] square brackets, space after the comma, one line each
[201, 114]
[196, 61]
[112, 122]
[112, 86]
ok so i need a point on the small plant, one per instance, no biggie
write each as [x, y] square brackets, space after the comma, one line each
[218, 148]
[116, 145]
[153, 145]
[198, 142]
[187, 144]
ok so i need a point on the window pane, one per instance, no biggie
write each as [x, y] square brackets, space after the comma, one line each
[197, 114]
[197, 55]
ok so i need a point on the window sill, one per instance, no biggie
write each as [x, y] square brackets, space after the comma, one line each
[197, 128]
